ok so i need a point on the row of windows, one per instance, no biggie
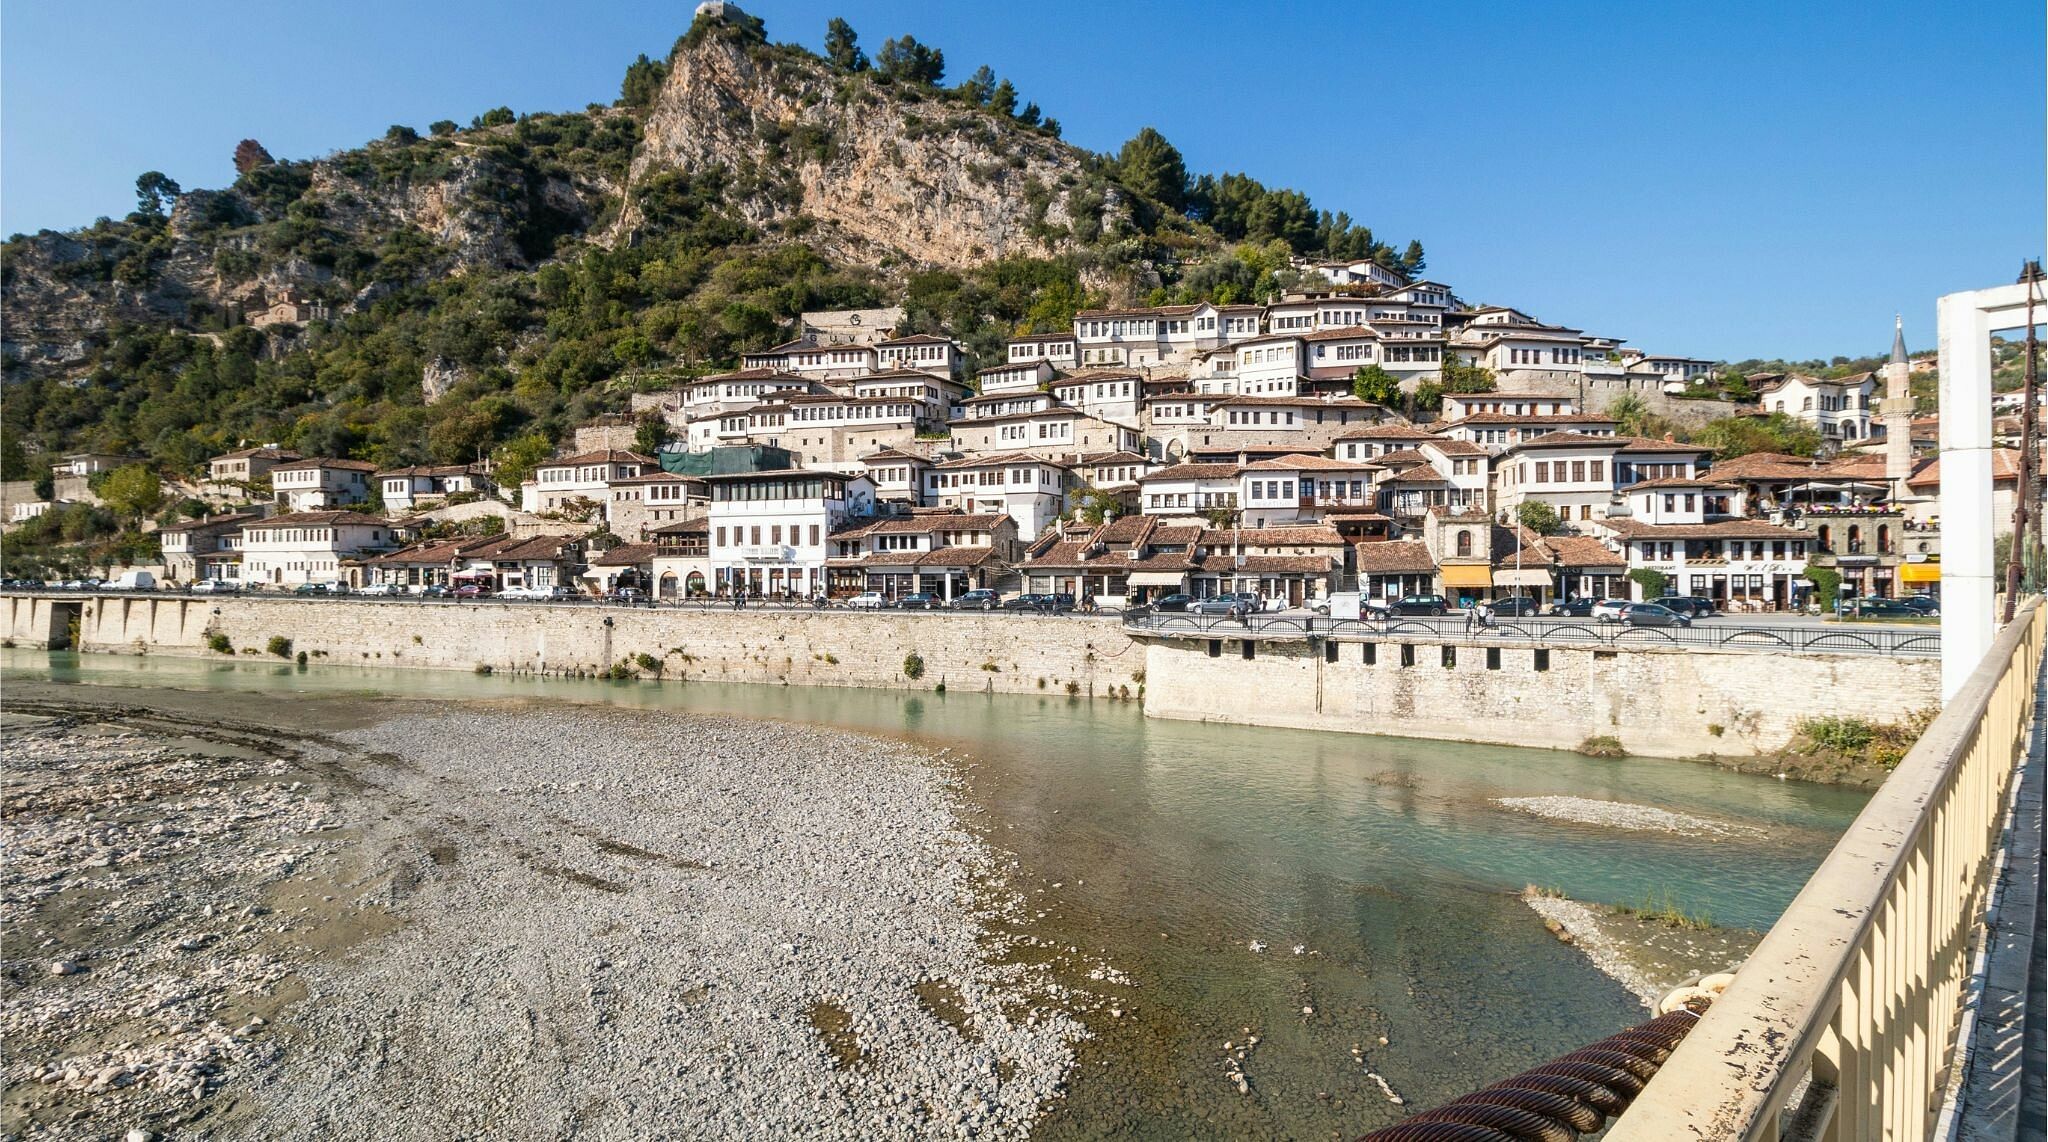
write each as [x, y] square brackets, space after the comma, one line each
[1257, 416]
[1662, 551]
[752, 534]
[1581, 471]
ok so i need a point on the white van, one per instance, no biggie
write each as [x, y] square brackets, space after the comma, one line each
[133, 581]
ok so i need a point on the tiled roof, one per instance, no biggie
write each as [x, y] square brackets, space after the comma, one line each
[1568, 440]
[990, 458]
[1267, 564]
[1304, 461]
[1395, 556]
[1677, 482]
[1653, 444]
[1726, 529]
[625, 555]
[318, 462]
[601, 456]
[940, 521]
[1570, 550]
[1485, 418]
[307, 519]
[230, 521]
[2005, 466]
[1313, 536]
[1190, 472]
[1452, 447]
[264, 453]
[1386, 432]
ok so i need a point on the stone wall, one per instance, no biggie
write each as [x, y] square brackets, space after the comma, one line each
[1660, 703]
[1004, 653]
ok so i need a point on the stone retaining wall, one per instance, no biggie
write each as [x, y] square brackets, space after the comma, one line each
[1658, 702]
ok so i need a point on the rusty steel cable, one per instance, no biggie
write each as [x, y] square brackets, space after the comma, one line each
[1561, 1100]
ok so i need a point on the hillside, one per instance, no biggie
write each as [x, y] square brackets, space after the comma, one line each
[488, 286]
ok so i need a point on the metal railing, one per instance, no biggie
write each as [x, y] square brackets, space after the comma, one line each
[1842, 1023]
[1710, 634]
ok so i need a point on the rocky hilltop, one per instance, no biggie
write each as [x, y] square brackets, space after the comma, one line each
[888, 177]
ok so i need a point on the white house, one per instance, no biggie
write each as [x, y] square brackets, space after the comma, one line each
[769, 529]
[1570, 471]
[404, 488]
[310, 547]
[1743, 565]
[898, 476]
[320, 484]
[1107, 395]
[919, 352]
[1189, 489]
[815, 360]
[1059, 350]
[1842, 408]
[563, 482]
[1302, 486]
[1026, 486]
[1016, 377]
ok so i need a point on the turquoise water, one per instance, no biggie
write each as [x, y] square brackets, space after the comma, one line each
[1174, 845]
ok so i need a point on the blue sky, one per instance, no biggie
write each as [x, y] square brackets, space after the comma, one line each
[1726, 180]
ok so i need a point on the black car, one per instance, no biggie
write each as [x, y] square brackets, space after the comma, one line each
[1025, 603]
[1571, 609]
[921, 601]
[979, 599]
[1879, 608]
[1691, 606]
[1419, 605]
[1515, 607]
[1925, 604]
[1176, 602]
[1058, 601]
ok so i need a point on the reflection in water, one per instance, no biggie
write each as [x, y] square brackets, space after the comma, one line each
[1167, 848]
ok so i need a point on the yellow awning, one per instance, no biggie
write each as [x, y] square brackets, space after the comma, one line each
[1467, 575]
[1920, 573]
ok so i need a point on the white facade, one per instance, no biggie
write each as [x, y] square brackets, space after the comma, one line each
[318, 485]
[587, 476]
[1028, 488]
[1842, 409]
[309, 547]
[769, 529]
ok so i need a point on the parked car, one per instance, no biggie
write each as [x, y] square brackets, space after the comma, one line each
[472, 591]
[1571, 609]
[1691, 606]
[1025, 602]
[868, 601]
[23, 584]
[1224, 604]
[1515, 606]
[213, 587]
[1925, 604]
[1419, 605]
[383, 590]
[920, 601]
[1609, 610]
[1652, 615]
[627, 596]
[313, 589]
[978, 599]
[1059, 601]
[434, 591]
[1878, 609]
[1172, 604]
[133, 581]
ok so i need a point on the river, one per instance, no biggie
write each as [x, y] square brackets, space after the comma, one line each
[1167, 848]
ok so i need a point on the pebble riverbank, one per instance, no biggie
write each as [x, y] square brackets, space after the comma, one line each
[511, 921]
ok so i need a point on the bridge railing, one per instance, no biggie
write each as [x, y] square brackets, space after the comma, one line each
[1712, 634]
[1842, 1023]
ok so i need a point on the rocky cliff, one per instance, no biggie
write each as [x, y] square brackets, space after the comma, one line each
[888, 174]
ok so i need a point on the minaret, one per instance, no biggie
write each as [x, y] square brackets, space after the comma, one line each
[1897, 412]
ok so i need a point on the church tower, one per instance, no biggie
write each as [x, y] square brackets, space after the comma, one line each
[1896, 410]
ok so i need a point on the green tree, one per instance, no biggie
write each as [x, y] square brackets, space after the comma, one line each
[907, 61]
[516, 459]
[1735, 436]
[442, 128]
[1092, 505]
[14, 461]
[1375, 385]
[1632, 416]
[979, 86]
[1412, 260]
[132, 491]
[1003, 100]
[643, 82]
[1153, 167]
[1030, 115]
[651, 433]
[1651, 580]
[1459, 377]
[842, 46]
[155, 192]
[1286, 215]
[495, 117]
[1537, 516]
[401, 134]
[1827, 584]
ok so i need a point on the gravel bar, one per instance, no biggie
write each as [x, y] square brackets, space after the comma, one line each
[1622, 815]
[557, 922]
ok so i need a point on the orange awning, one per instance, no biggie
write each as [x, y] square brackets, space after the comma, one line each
[1467, 575]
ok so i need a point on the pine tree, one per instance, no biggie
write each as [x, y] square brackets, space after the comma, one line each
[1152, 167]
[1003, 100]
[979, 86]
[842, 46]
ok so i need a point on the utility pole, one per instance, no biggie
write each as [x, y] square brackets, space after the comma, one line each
[2023, 487]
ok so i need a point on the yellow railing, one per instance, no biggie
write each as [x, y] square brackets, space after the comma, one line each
[1859, 986]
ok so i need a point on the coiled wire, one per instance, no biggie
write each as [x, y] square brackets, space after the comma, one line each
[1559, 1101]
